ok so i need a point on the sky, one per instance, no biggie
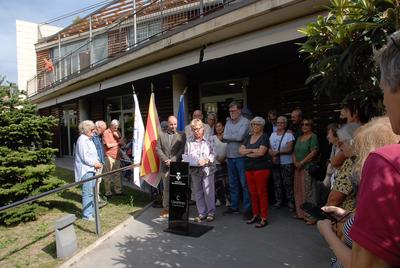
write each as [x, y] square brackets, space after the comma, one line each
[36, 11]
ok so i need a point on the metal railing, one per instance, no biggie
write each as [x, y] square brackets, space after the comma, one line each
[145, 22]
[71, 185]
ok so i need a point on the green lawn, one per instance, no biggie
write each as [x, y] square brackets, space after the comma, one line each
[33, 244]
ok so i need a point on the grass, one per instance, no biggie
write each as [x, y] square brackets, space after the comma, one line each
[32, 244]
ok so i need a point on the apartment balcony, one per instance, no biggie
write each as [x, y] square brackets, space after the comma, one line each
[108, 44]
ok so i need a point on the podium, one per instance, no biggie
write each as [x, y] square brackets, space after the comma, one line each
[179, 197]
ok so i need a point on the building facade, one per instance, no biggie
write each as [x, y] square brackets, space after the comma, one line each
[218, 50]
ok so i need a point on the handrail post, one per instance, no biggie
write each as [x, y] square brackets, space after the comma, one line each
[96, 208]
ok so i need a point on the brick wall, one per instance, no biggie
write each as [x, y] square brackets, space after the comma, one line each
[117, 41]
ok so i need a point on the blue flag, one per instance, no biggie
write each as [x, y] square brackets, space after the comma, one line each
[181, 114]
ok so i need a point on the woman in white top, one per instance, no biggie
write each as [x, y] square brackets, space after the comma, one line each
[221, 185]
[281, 149]
[86, 164]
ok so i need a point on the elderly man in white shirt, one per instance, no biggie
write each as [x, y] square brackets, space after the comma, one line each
[86, 164]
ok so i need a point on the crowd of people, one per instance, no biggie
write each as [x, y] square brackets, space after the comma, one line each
[232, 162]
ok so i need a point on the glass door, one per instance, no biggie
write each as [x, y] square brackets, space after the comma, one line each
[214, 97]
[70, 132]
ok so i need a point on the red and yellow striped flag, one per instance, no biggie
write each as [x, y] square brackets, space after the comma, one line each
[150, 162]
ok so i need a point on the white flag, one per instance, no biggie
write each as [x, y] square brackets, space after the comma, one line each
[138, 137]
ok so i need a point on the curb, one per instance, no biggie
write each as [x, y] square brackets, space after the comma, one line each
[74, 259]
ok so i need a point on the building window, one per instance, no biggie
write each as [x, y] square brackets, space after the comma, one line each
[121, 108]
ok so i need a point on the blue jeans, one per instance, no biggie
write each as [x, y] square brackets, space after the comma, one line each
[87, 196]
[237, 180]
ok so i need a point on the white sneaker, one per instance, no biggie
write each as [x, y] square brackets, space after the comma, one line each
[227, 203]
[218, 203]
[88, 219]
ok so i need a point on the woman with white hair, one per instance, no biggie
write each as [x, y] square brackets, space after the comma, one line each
[257, 165]
[282, 171]
[201, 151]
[86, 164]
[344, 188]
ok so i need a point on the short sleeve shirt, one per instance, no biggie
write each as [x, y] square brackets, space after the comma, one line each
[344, 184]
[275, 139]
[259, 163]
[376, 225]
[303, 148]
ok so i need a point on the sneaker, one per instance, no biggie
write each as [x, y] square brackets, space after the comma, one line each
[218, 203]
[230, 210]
[102, 203]
[227, 203]
[210, 217]
[88, 219]
[277, 205]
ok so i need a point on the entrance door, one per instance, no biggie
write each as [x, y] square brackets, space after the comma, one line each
[69, 132]
[216, 96]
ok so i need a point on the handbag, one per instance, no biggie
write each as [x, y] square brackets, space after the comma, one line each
[314, 168]
[276, 160]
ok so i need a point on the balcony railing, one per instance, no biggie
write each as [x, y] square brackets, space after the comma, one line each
[143, 22]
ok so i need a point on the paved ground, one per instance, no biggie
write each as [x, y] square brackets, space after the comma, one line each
[285, 242]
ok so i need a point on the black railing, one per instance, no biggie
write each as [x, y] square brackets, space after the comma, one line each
[70, 185]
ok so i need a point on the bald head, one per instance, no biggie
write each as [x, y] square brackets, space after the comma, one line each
[172, 124]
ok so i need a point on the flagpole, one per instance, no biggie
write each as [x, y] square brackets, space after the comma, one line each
[184, 91]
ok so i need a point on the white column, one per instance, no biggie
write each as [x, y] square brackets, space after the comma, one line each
[179, 82]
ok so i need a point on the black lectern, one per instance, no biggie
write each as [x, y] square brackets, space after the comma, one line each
[179, 196]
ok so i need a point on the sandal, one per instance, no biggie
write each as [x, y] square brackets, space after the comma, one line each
[210, 217]
[262, 224]
[253, 220]
[311, 222]
[297, 217]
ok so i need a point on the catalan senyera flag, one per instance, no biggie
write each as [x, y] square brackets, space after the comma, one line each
[150, 161]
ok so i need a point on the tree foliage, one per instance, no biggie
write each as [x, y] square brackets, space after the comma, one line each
[26, 159]
[340, 46]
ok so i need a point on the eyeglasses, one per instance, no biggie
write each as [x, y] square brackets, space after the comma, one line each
[256, 124]
[280, 122]
[306, 124]
[196, 129]
[349, 142]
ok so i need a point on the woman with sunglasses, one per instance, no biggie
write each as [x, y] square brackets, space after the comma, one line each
[305, 152]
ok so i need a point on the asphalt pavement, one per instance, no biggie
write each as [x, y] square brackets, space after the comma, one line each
[141, 242]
